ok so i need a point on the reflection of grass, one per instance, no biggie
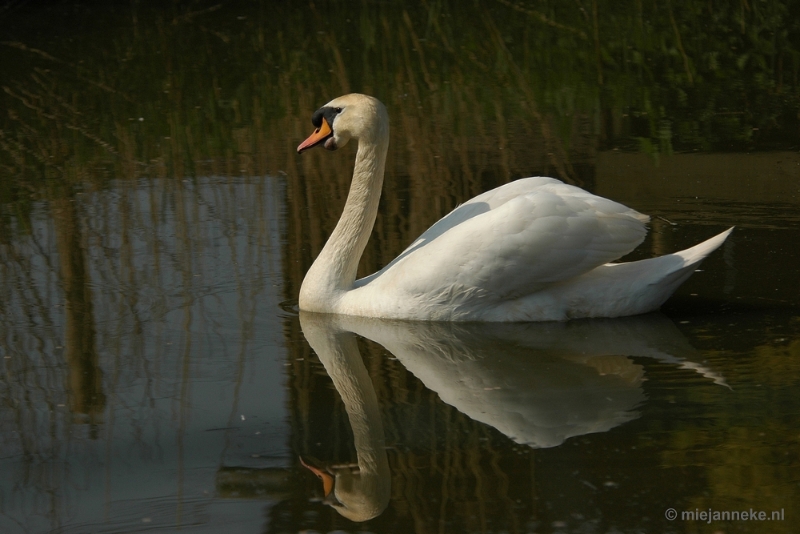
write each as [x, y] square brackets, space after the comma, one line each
[100, 309]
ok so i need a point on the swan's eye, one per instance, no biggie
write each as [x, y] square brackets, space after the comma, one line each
[337, 110]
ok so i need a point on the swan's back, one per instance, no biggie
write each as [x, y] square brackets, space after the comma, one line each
[508, 243]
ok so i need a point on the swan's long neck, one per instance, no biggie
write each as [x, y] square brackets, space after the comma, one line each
[334, 270]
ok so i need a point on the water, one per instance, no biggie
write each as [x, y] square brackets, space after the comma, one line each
[156, 224]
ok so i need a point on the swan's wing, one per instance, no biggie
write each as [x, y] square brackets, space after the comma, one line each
[515, 240]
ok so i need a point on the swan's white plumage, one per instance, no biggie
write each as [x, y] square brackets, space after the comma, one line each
[516, 240]
[534, 249]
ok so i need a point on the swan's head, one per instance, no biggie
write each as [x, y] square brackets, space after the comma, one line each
[354, 495]
[352, 116]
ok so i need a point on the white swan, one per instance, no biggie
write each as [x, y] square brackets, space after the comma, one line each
[535, 249]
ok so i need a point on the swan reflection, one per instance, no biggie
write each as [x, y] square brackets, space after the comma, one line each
[358, 492]
[537, 383]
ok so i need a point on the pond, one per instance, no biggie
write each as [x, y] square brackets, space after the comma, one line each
[156, 223]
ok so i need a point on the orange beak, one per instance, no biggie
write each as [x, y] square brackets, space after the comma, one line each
[327, 479]
[319, 136]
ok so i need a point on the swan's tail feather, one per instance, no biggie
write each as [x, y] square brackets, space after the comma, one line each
[689, 259]
[698, 252]
[643, 286]
[681, 265]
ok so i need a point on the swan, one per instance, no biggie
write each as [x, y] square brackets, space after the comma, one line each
[535, 249]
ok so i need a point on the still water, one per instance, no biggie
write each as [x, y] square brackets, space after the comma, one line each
[156, 223]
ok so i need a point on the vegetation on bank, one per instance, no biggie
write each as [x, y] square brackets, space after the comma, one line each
[85, 86]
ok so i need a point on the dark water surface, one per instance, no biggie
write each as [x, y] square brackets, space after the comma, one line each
[156, 224]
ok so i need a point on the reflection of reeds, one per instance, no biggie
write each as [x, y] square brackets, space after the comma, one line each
[80, 349]
[106, 292]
